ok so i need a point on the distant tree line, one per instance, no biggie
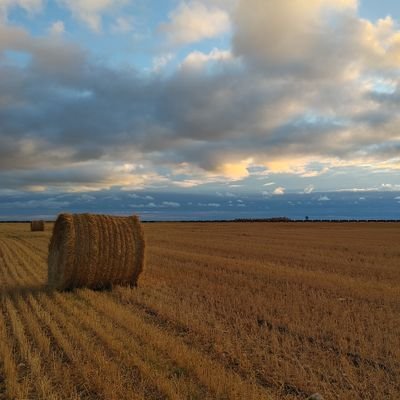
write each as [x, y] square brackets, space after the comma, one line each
[271, 219]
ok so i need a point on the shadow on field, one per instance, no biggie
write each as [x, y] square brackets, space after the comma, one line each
[25, 290]
[44, 288]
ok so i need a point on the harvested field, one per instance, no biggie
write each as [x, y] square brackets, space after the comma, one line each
[222, 311]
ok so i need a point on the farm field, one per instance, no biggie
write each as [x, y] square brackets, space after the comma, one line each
[223, 311]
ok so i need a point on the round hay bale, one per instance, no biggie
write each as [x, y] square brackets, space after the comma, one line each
[37, 226]
[95, 251]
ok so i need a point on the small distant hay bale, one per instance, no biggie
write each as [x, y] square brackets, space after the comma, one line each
[37, 226]
[315, 396]
[95, 251]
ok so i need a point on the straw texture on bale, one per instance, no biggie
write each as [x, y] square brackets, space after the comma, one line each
[37, 226]
[95, 251]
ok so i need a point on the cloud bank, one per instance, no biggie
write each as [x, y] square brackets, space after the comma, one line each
[306, 87]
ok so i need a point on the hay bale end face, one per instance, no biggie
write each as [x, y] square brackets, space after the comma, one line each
[95, 251]
[37, 226]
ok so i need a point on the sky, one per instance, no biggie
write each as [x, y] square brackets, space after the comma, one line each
[200, 109]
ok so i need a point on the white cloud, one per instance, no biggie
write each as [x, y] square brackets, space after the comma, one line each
[172, 204]
[197, 59]
[123, 25]
[136, 196]
[30, 6]
[91, 12]
[188, 183]
[358, 190]
[148, 205]
[161, 61]
[226, 194]
[194, 21]
[215, 205]
[279, 191]
[309, 189]
[57, 28]
[390, 186]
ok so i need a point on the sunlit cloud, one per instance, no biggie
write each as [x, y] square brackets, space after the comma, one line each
[279, 191]
[235, 171]
[194, 21]
[199, 60]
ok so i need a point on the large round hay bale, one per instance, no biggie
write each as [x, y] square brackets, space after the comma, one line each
[95, 251]
[37, 226]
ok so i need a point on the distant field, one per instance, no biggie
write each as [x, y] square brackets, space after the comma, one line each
[245, 311]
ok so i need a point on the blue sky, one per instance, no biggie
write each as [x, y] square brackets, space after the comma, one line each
[195, 99]
[373, 10]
